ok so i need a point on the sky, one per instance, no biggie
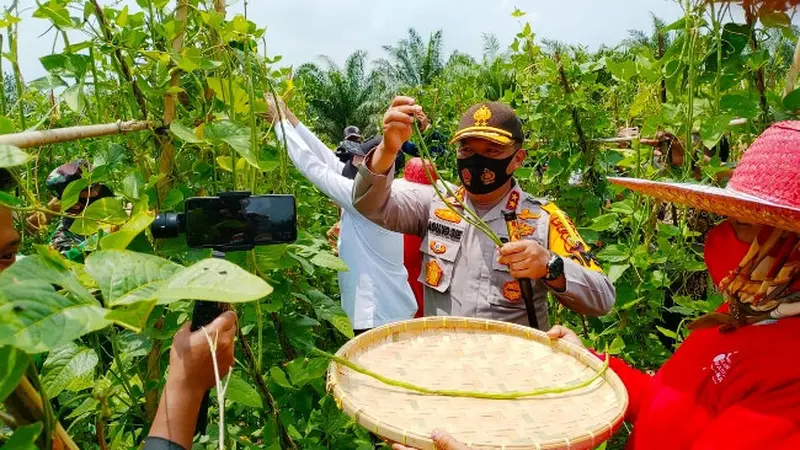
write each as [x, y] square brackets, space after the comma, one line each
[301, 30]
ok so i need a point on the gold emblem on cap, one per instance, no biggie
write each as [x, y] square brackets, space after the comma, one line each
[482, 116]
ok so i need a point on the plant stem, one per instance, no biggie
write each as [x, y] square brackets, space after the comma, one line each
[2, 82]
[125, 384]
[470, 394]
[47, 408]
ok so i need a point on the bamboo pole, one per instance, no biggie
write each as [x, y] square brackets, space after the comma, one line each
[29, 139]
[791, 77]
[167, 158]
[26, 406]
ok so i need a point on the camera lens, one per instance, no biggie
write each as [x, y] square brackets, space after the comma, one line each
[167, 225]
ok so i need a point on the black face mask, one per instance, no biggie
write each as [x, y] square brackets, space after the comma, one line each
[481, 175]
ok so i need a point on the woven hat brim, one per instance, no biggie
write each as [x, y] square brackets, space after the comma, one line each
[725, 202]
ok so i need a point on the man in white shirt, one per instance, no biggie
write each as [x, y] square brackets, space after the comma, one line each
[375, 290]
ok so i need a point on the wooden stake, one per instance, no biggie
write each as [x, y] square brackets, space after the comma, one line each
[26, 406]
[28, 139]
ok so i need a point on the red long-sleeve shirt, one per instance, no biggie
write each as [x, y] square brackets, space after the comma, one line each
[738, 390]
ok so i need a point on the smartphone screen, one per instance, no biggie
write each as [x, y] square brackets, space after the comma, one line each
[230, 221]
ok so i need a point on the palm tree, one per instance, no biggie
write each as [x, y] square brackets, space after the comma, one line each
[338, 97]
[492, 73]
[639, 39]
[413, 62]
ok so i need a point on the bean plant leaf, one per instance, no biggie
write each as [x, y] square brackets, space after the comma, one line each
[605, 222]
[328, 310]
[305, 370]
[712, 130]
[68, 368]
[36, 319]
[329, 261]
[213, 279]
[615, 253]
[11, 156]
[235, 135]
[133, 314]
[48, 267]
[184, 133]
[123, 275]
[72, 193]
[12, 367]
[57, 13]
[279, 377]
[104, 212]
[239, 391]
[792, 100]
[616, 271]
[24, 437]
[120, 240]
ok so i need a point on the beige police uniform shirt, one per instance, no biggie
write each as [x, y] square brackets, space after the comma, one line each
[460, 271]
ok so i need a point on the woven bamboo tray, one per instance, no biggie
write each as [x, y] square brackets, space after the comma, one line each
[468, 354]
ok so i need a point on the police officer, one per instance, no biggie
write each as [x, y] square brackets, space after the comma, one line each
[463, 271]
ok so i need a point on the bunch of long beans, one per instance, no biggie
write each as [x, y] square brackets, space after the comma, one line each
[468, 215]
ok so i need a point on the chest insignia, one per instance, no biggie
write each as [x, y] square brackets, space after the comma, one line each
[437, 247]
[526, 214]
[433, 273]
[511, 291]
[525, 229]
[448, 215]
[444, 231]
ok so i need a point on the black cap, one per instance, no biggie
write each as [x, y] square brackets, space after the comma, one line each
[494, 121]
[352, 131]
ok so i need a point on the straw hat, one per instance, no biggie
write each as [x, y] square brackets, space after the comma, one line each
[764, 189]
[485, 356]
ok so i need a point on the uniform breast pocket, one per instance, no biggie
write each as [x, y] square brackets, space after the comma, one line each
[439, 257]
[504, 291]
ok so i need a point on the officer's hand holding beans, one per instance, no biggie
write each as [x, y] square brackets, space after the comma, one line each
[525, 259]
[397, 129]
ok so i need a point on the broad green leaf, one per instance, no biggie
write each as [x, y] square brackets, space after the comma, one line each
[12, 367]
[48, 267]
[122, 17]
[73, 97]
[235, 135]
[239, 391]
[711, 130]
[132, 314]
[614, 253]
[121, 239]
[279, 377]
[222, 89]
[305, 370]
[36, 319]
[668, 333]
[68, 368]
[173, 197]
[616, 271]
[119, 273]
[677, 25]
[88, 406]
[623, 70]
[330, 311]
[57, 13]
[11, 156]
[329, 261]
[624, 207]
[104, 212]
[617, 346]
[775, 19]
[184, 133]
[72, 193]
[190, 59]
[791, 102]
[213, 279]
[605, 222]
[24, 437]
[47, 82]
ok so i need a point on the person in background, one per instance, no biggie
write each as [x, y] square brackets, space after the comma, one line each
[733, 382]
[375, 290]
[189, 377]
[464, 272]
[65, 241]
[9, 238]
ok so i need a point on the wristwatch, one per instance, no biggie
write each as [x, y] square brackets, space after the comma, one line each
[555, 268]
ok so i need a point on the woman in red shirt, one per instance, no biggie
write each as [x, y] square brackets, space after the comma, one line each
[734, 383]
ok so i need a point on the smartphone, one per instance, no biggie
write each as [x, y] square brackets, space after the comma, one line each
[231, 221]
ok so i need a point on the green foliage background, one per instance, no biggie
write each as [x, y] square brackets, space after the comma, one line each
[100, 370]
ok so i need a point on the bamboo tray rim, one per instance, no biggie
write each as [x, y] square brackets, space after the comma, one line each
[396, 434]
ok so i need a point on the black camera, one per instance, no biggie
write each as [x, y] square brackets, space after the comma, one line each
[231, 221]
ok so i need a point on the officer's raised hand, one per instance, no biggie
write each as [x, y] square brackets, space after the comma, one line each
[529, 259]
[397, 129]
